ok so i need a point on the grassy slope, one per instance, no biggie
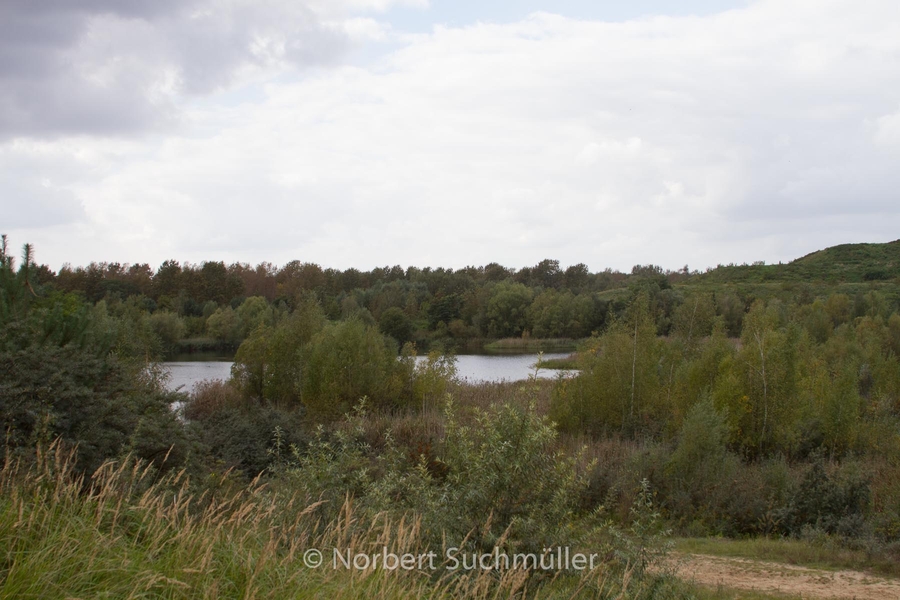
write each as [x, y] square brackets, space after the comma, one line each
[846, 263]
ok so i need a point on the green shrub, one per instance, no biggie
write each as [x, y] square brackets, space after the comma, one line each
[501, 481]
[643, 544]
[237, 433]
[169, 328]
[269, 364]
[432, 377]
[700, 469]
[505, 466]
[346, 361]
[395, 323]
[85, 395]
[832, 502]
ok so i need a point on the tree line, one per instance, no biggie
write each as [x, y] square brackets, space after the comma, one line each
[224, 302]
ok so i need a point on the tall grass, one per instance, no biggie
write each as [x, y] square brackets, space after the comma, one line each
[126, 532]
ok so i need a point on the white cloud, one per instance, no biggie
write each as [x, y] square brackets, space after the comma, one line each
[887, 131]
[761, 133]
[115, 68]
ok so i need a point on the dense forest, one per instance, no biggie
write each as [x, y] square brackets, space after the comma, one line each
[748, 401]
[213, 303]
[215, 306]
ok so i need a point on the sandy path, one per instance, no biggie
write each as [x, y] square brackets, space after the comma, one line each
[747, 574]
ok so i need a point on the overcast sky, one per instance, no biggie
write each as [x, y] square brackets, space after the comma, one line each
[367, 133]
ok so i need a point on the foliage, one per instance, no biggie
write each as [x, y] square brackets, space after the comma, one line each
[395, 323]
[767, 405]
[432, 377]
[505, 466]
[618, 385]
[499, 481]
[168, 327]
[126, 533]
[701, 465]
[644, 543]
[253, 313]
[228, 302]
[47, 391]
[555, 314]
[346, 361]
[75, 372]
[695, 318]
[507, 310]
[832, 502]
[224, 324]
[269, 364]
[239, 434]
[846, 262]
[759, 385]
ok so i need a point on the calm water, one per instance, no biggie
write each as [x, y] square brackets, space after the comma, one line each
[184, 374]
[474, 368]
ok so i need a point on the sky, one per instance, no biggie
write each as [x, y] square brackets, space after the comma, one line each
[366, 133]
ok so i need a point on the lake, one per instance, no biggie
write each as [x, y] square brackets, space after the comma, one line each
[474, 368]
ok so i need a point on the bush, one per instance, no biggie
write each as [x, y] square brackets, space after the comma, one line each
[432, 377]
[237, 433]
[832, 502]
[701, 465]
[505, 466]
[395, 323]
[346, 361]
[643, 544]
[169, 328]
[210, 396]
[87, 397]
[617, 387]
[269, 364]
[500, 481]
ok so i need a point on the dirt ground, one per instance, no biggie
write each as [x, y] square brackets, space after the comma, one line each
[770, 577]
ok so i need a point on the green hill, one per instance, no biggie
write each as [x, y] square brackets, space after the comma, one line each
[846, 263]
